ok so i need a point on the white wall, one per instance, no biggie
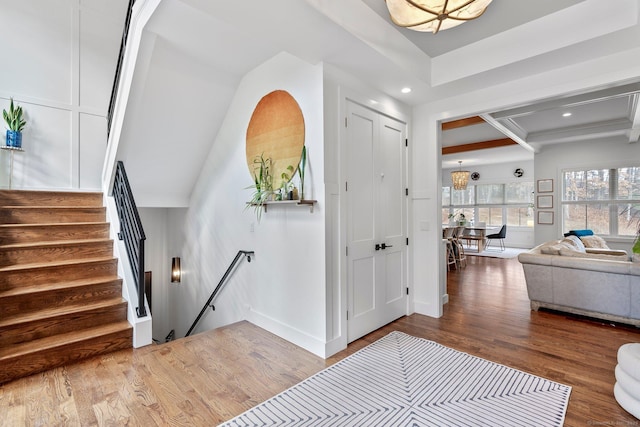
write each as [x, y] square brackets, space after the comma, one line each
[163, 242]
[59, 63]
[552, 160]
[283, 288]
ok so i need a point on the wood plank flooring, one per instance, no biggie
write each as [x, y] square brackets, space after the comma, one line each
[211, 377]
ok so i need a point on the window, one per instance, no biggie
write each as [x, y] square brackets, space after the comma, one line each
[493, 204]
[604, 200]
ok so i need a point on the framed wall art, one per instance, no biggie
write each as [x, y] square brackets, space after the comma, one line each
[545, 217]
[545, 185]
[545, 202]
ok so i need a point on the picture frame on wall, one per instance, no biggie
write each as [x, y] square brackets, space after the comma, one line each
[545, 217]
[545, 185]
[545, 202]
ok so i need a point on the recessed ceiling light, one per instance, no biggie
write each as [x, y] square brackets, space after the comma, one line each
[373, 101]
[406, 90]
[566, 115]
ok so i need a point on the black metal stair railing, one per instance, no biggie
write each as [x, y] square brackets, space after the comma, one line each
[208, 304]
[131, 232]
[116, 79]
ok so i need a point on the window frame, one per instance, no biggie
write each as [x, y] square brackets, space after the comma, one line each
[504, 206]
[612, 201]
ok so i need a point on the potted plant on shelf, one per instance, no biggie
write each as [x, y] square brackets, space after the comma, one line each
[263, 184]
[16, 124]
[286, 190]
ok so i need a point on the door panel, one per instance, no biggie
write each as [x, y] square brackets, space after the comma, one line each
[364, 286]
[394, 264]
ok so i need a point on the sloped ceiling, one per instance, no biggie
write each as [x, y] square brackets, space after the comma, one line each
[195, 52]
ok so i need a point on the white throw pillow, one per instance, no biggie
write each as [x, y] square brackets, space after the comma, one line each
[595, 242]
[575, 242]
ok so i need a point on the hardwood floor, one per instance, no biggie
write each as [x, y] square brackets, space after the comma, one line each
[211, 377]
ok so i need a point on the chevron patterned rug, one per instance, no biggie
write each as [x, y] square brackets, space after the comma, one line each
[401, 380]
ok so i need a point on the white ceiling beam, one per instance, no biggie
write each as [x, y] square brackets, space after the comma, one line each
[513, 132]
[578, 133]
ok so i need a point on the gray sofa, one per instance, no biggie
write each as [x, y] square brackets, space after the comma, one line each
[597, 283]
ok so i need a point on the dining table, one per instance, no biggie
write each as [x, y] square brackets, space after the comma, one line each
[477, 233]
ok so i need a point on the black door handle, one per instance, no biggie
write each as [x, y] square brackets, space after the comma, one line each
[385, 246]
[378, 247]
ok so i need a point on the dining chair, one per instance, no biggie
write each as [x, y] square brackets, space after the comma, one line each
[461, 258]
[451, 253]
[500, 236]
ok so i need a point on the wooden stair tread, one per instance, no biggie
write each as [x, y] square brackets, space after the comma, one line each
[35, 265]
[60, 340]
[53, 243]
[45, 197]
[59, 311]
[36, 289]
[52, 224]
[53, 207]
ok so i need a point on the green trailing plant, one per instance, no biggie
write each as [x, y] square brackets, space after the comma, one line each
[263, 183]
[302, 169]
[14, 118]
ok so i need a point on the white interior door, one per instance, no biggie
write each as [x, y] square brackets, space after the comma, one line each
[376, 225]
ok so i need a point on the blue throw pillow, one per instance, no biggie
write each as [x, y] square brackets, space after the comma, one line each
[579, 233]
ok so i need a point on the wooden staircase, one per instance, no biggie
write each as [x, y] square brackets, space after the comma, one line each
[60, 296]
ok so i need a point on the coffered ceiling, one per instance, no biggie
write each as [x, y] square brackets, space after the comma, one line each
[610, 115]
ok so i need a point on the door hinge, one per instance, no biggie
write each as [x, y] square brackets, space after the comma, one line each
[347, 314]
[406, 191]
[406, 142]
[407, 290]
[346, 251]
[407, 241]
[345, 122]
[346, 186]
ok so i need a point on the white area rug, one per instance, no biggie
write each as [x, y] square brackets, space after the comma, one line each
[495, 252]
[402, 380]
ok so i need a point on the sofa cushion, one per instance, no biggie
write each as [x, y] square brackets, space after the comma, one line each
[575, 242]
[596, 242]
[566, 252]
[616, 266]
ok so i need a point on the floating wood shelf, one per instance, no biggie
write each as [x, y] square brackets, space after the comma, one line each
[309, 203]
